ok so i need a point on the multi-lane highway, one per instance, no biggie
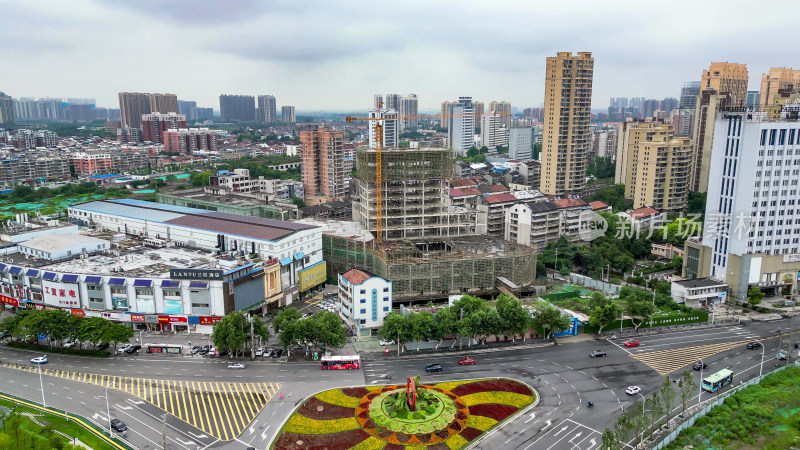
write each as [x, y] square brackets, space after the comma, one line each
[210, 406]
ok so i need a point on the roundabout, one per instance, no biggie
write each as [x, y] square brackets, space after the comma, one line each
[447, 415]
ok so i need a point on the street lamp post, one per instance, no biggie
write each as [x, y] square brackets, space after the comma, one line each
[641, 435]
[41, 384]
[108, 410]
[761, 366]
[700, 391]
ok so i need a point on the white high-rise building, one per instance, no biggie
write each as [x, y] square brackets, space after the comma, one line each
[752, 231]
[377, 101]
[461, 126]
[391, 128]
[493, 133]
[409, 107]
[519, 143]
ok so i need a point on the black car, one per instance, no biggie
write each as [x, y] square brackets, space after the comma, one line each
[103, 346]
[133, 349]
[203, 352]
[597, 353]
[433, 368]
[118, 425]
[277, 353]
[4, 335]
[206, 348]
[698, 366]
[753, 345]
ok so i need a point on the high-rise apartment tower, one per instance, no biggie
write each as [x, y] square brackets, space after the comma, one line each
[567, 110]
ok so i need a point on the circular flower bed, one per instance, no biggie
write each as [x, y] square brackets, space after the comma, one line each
[448, 416]
[436, 410]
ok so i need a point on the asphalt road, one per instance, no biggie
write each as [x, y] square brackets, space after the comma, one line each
[205, 400]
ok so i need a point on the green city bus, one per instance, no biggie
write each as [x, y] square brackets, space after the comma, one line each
[717, 380]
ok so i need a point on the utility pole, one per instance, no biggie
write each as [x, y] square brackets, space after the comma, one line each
[252, 349]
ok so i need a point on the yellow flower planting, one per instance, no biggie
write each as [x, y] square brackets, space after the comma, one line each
[301, 424]
[482, 423]
[372, 443]
[504, 398]
[336, 397]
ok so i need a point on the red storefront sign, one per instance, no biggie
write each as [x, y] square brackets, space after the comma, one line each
[163, 319]
[209, 320]
[137, 317]
[9, 301]
[174, 319]
[78, 312]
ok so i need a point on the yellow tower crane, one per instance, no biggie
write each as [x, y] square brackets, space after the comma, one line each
[377, 123]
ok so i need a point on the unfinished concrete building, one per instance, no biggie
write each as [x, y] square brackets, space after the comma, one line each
[415, 195]
[427, 269]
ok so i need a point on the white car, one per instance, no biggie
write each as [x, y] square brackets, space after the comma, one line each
[70, 343]
[236, 366]
[124, 347]
[40, 360]
[633, 390]
[385, 342]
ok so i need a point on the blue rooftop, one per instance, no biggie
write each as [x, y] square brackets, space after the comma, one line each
[100, 177]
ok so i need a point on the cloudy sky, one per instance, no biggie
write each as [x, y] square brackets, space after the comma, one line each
[333, 55]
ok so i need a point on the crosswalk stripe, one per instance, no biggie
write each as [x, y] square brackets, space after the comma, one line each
[220, 409]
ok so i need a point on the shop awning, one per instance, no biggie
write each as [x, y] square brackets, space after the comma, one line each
[299, 255]
[69, 278]
[143, 283]
[198, 284]
[49, 276]
[16, 270]
[32, 273]
[170, 283]
[116, 281]
[95, 280]
[286, 261]
[3, 266]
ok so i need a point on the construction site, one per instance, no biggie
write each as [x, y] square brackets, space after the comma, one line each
[429, 249]
[414, 195]
[426, 269]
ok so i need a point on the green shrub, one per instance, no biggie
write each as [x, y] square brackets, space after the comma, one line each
[63, 351]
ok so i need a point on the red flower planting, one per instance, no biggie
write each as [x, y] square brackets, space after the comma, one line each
[493, 410]
[355, 392]
[309, 409]
[337, 441]
[492, 385]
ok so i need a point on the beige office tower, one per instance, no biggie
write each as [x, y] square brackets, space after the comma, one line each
[727, 77]
[778, 78]
[445, 114]
[654, 165]
[567, 110]
[503, 109]
[708, 102]
[163, 103]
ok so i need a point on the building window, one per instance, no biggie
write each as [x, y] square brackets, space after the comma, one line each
[363, 311]
[363, 291]
[363, 300]
[385, 309]
[386, 289]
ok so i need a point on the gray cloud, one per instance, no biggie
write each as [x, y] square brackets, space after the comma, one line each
[336, 54]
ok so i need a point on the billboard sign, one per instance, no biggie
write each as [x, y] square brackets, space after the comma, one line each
[312, 276]
[196, 274]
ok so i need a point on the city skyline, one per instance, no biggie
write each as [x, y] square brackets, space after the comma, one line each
[257, 50]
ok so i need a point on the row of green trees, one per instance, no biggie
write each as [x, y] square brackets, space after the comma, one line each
[233, 333]
[474, 318]
[17, 431]
[645, 417]
[59, 325]
[324, 330]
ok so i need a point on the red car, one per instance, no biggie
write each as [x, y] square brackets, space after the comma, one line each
[632, 343]
[466, 361]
